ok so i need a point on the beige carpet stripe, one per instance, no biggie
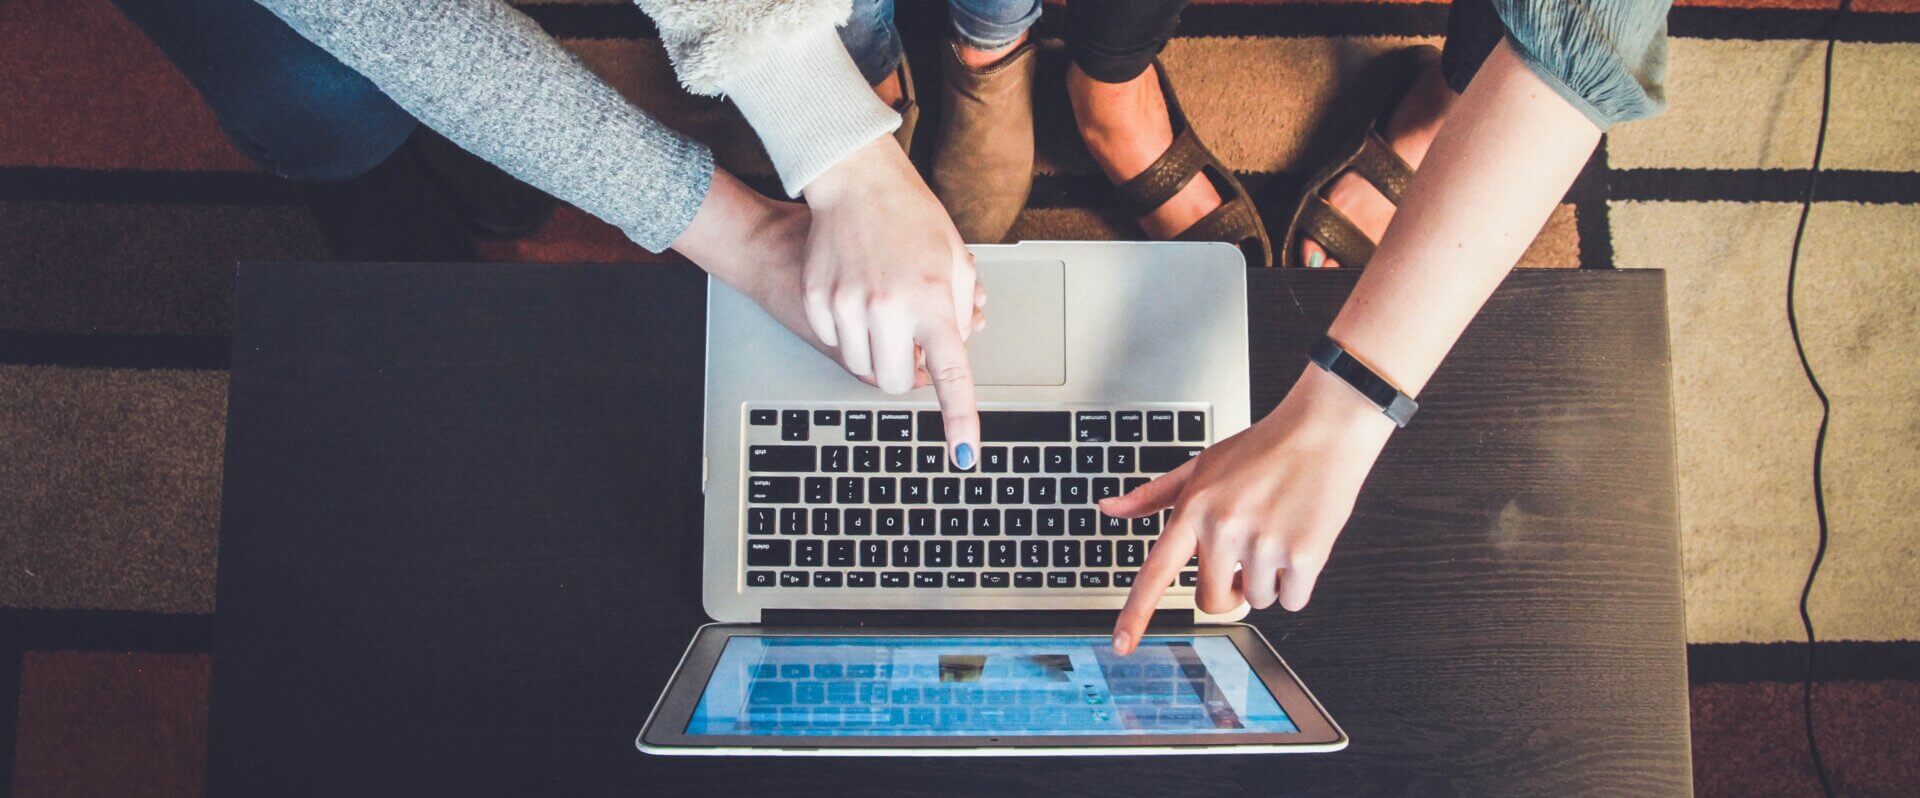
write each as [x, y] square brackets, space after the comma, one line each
[110, 490]
[1748, 105]
[1746, 418]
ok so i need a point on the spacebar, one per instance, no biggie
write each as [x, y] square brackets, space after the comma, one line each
[1015, 426]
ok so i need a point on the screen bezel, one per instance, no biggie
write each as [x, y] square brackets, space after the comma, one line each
[665, 730]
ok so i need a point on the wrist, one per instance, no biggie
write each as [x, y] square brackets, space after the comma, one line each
[858, 171]
[1327, 399]
[729, 215]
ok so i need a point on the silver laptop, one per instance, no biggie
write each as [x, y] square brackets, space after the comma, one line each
[1103, 365]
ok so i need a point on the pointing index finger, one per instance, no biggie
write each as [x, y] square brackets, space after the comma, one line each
[952, 377]
[1156, 575]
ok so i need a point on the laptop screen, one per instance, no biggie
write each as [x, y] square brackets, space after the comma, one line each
[983, 686]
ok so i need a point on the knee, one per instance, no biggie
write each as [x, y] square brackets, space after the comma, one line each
[326, 126]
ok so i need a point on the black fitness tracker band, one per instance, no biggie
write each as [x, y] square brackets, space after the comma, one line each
[1327, 354]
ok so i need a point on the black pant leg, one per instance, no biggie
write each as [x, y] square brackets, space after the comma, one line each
[1113, 41]
[1473, 30]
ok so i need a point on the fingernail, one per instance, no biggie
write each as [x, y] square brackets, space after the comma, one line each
[1315, 259]
[963, 456]
[1120, 641]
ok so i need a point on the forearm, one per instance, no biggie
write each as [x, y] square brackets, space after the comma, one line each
[1509, 149]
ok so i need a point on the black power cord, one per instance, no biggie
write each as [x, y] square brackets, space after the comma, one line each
[1826, 406]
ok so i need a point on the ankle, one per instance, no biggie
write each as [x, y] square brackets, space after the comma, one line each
[977, 59]
[1420, 115]
[1108, 112]
[890, 91]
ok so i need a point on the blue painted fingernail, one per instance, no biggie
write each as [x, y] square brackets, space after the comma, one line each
[963, 456]
[1315, 259]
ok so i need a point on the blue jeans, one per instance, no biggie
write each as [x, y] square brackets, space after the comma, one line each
[284, 102]
[874, 42]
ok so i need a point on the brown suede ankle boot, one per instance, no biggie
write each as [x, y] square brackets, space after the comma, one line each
[983, 156]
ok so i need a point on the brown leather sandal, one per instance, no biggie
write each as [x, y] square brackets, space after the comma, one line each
[1365, 153]
[1235, 221]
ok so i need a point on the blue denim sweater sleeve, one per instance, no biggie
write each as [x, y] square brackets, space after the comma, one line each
[1606, 57]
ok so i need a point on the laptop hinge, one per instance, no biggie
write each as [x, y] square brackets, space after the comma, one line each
[1012, 619]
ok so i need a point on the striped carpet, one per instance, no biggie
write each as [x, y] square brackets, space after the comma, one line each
[122, 208]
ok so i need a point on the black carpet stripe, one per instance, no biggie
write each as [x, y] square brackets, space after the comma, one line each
[36, 184]
[920, 18]
[105, 630]
[123, 351]
[1839, 660]
[1591, 219]
[1763, 185]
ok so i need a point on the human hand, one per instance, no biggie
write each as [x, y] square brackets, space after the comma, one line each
[1269, 500]
[889, 283]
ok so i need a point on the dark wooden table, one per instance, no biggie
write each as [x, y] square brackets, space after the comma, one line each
[461, 551]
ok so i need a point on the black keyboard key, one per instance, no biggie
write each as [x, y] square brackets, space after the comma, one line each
[1033, 554]
[1057, 459]
[953, 523]
[1023, 426]
[1001, 553]
[960, 579]
[1110, 525]
[780, 459]
[880, 490]
[1161, 459]
[906, 554]
[763, 418]
[1010, 490]
[1100, 553]
[760, 520]
[993, 459]
[833, 459]
[1123, 579]
[860, 579]
[970, 553]
[899, 459]
[826, 418]
[993, 579]
[850, 490]
[819, 490]
[1093, 426]
[866, 459]
[889, 522]
[939, 553]
[859, 425]
[1147, 525]
[979, 490]
[930, 459]
[1042, 490]
[893, 579]
[1127, 426]
[1081, 522]
[1189, 578]
[809, 553]
[857, 522]
[1160, 425]
[1050, 522]
[759, 579]
[826, 521]
[926, 579]
[1066, 553]
[793, 521]
[946, 490]
[1028, 579]
[793, 425]
[1089, 460]
[1130, 553]
[1093, 579]
[873, 554]
[773, 490]
[840, 553]
[1019, 522]
[986, 522]
[1193, 425]
[1120, 459]
[1060, 579]
[826, 578]
[895, 425]
[1026, 459]
[920, 522]
[1105, 488]
[1131, 484]
[1073, 490]
[932, 426]
[793, 578]
[913, 490]
[769, 552]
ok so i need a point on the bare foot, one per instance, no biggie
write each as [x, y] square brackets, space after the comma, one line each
[1126, 128]
[1410, 130]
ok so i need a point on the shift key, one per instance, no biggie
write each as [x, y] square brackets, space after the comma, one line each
[1161, 459]
[788, 459]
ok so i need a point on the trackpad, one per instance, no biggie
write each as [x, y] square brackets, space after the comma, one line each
[1025, 342]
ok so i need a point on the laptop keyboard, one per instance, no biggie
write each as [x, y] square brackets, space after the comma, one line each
[865, 498]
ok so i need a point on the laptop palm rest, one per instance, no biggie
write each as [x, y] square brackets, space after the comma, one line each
[1025, 339]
